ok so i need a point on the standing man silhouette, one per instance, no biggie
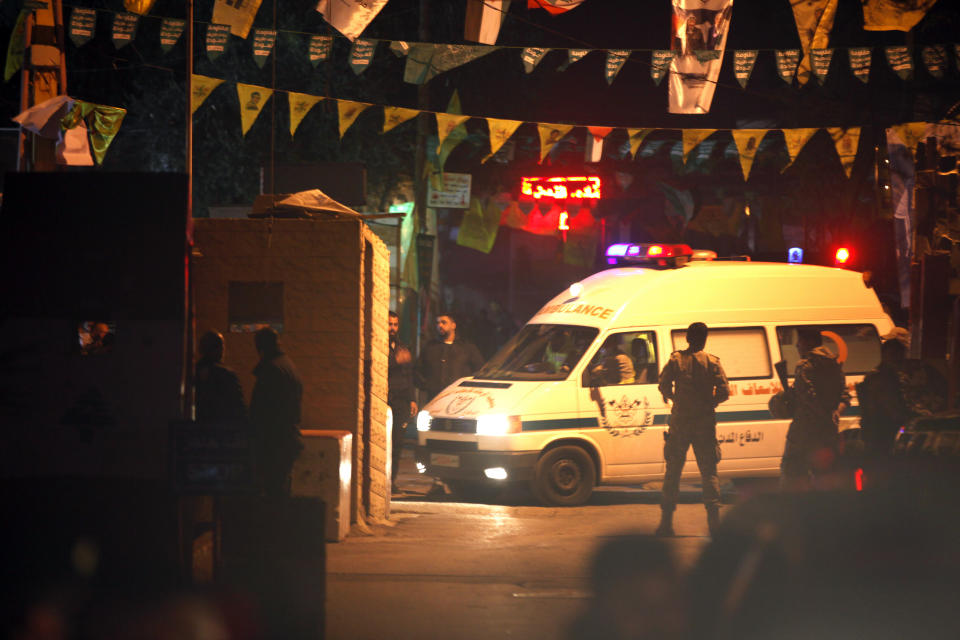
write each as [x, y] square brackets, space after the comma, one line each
[695, 382]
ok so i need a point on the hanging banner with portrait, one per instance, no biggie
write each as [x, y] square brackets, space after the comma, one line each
[699, 36]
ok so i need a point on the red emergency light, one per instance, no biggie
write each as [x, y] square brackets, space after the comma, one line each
[561, 187]
[842, 257]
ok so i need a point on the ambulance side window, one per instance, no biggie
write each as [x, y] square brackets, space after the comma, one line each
[743, 351]
[624, 358]
[856, 346]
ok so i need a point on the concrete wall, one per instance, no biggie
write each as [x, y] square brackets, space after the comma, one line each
[335, 275]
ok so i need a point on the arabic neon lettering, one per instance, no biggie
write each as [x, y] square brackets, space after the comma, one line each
[561, 188]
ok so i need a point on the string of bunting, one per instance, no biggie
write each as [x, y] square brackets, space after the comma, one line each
[252, 99]
[425, 60]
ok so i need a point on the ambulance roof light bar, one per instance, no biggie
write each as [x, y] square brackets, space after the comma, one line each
[654, 255]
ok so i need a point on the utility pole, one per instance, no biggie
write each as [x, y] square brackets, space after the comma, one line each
[44, 76]
[420, 165]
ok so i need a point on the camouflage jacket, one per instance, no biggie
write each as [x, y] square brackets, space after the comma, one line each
[695, 382]
[818, 388]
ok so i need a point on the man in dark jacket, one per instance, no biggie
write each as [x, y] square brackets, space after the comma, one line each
[695, 383]
[275, 412]
[400, 390]
[817, 396]
[447, 359]
[883, 405]
[219, 397]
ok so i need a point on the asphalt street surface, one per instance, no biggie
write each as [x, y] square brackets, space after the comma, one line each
[508, 568]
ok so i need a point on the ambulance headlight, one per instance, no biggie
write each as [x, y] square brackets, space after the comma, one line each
[423, 421]
[497, 425]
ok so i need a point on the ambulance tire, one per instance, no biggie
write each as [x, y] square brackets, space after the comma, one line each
[564, 477]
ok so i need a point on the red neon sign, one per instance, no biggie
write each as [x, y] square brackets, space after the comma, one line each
[561, 188]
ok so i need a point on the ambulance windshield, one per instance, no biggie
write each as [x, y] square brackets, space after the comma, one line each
[539, 352]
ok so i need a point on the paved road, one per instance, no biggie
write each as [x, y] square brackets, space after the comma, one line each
[443, 568]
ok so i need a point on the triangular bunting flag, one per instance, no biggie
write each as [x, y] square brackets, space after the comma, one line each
[637, 136]
[660, 60]
[319, 48]
[361, 53]
[426, 60]
[456, 135]
[901, 62]
[513, 216]
[102, 122]
[263, 41]
[692, 138]
[500, 132]
[124, 29]
[796, 140]
[170, 31]
[820, 61]
[894, 15]
[747, 141]
[787, 61]
[550, 135]
[392, 116]
[446, 123]
[743, 62]
[846, 142]
[935, 59]
[399, 48]
[910, 134]
[860, 59]
[615, 60]
[531, 57]
[202, 88]
[814, 20]
[704, 56]
[216, 41]
[348, 111]
[594, 146]
[300, 104]
[478, 229]
[83, 25]
[573, 55]
[237, 16]
[252, 99]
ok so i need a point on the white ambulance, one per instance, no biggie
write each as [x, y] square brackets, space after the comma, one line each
[545, 409]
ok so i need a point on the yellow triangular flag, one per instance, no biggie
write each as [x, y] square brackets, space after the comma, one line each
[693, 137]
[300, 105]
[500, 132]
[814, 20]
[889, 15]
[202, 87]
[348, 112]
[392, 116]
[796, 140]
[910, 134]
[239, 15]
[252, 99]
[747, 141]
[846, 141]
[637, 137]
[513, 216]
[550, 135]
[446, 123]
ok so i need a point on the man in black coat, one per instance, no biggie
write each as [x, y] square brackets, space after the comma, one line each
[275, 413]
[400, 391]
[444, 360]
[219, 397]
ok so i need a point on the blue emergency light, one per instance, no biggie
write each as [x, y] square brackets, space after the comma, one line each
[795, 255]
[650, 255]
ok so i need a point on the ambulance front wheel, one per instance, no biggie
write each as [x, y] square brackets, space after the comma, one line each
[564, 477]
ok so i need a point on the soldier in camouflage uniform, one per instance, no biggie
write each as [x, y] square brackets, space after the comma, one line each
[694, 381]
[817, 396]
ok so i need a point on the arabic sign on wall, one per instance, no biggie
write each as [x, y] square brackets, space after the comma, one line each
[453, 194]
[561, 188]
